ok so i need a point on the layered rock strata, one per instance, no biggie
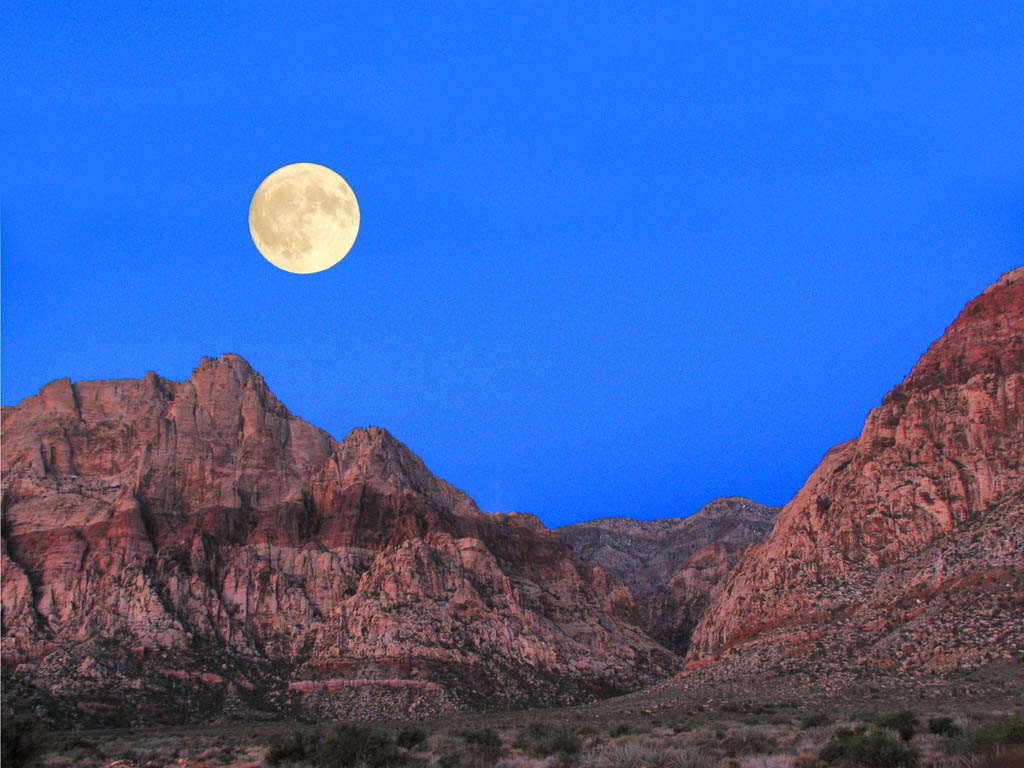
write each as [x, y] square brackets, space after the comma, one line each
[174, 550]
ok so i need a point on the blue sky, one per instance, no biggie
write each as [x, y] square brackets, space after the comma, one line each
[614, 260]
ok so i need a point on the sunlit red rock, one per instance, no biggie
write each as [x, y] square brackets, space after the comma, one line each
[937, 466]
[150, 525]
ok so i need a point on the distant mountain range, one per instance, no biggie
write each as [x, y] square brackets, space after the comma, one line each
[191, 550]
[675, 566]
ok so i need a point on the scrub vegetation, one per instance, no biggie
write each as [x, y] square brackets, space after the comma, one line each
[562, 739]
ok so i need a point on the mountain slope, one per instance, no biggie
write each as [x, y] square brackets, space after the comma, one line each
[674, 567]
[192, 548]
[916, 521]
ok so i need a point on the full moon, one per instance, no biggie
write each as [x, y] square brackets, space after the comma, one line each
[303, 218]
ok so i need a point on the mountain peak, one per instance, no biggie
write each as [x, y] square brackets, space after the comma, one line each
[200, 521]
[1008, 278]
[735, 507]
[987, 337]
[941, 452]
[229, 361]
[373, 435]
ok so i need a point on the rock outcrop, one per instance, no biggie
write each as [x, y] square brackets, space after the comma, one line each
[175, 550]
[675, 566]
[906, 546]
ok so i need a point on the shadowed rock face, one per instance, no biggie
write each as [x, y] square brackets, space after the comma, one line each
[934, 480]
[674, 566]
[179, 549]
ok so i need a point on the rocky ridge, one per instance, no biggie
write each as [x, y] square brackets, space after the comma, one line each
[673, 566]
[905, 548]
[179, 549]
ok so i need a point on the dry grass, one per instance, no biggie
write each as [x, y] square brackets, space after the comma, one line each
[571, 738]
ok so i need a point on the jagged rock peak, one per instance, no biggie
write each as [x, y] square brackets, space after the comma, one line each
[160, 535]
[237, 364]
[231, 374]
[376, 439]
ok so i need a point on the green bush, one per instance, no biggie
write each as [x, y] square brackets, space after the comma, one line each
[875, 749]
[410, 737]
[562, 743]
[943, 726]
[76, 744]
[470, 748]
[817, 720]
[905, 722]
[351, 743]
[543, 740]
[292, 747]
[22, 739]
[643, 756]
[620, 729]
[486, 737]
[343, 745]
[224, 755]
[1000, 732]
[742, 743]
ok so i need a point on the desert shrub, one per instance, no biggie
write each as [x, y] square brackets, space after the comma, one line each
[139, 756]
[352, 743]
[224, 755]
[620, 729]
[943, 726]
[542, 740]
[75, 744]
[410, 737]
[483, 747]
[471, 756]
[999, 732]
[562, 743]
[643, 756]
[817, 720]
[747, 742]
[292, 747]
[486, 737]
[905, 722]
[876, 749]
[22, 739]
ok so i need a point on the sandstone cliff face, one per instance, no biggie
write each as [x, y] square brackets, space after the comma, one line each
[672, 611]
[675, 566]
[937, 466]
[194, 548]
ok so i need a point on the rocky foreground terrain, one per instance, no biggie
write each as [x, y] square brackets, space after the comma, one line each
[185, 550]
[676, 566]
[904, 551]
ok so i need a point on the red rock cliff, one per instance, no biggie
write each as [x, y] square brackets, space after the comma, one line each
[192, 548]
[940, 458]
